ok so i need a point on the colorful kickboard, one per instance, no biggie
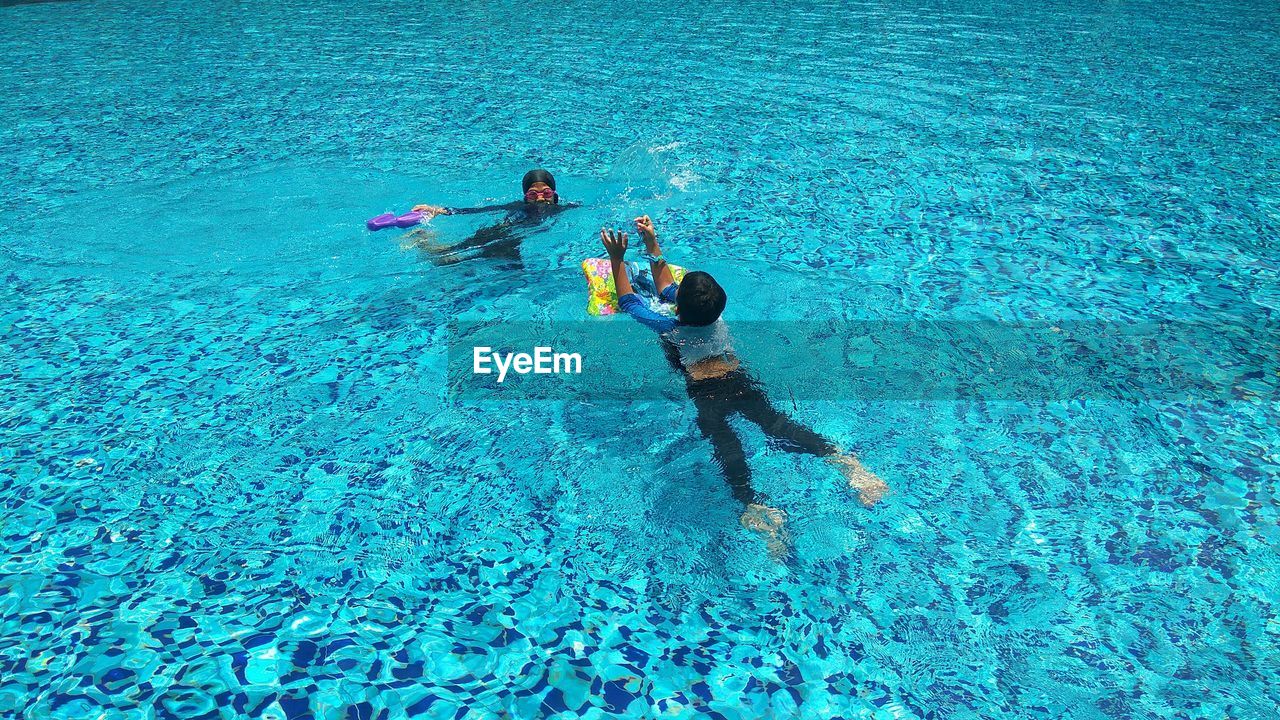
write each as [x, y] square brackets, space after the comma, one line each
[602, 295]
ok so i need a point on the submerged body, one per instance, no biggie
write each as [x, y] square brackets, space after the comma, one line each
[696, 341]
[502, 240]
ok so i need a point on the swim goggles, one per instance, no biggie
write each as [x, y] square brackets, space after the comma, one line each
[532, 195]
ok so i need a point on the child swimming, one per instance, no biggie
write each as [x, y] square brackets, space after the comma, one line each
[696, 341]
[501, 241]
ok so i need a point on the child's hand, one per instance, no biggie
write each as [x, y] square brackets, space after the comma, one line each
[644, 226]
[430, 210]
[615, 243]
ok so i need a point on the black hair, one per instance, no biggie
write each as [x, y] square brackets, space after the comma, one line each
[700, 299]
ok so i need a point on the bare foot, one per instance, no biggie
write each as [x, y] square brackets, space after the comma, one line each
[769, 523]
[869, 486]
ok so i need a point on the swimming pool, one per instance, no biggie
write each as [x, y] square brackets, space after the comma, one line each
[236, 484]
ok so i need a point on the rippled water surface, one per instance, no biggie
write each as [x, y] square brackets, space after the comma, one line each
[233, 482]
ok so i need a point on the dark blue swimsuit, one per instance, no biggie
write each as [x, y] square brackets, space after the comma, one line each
[502, 241]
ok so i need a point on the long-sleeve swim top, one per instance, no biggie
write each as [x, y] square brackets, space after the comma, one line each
[635, 306]
[518, 210]
[691, 343]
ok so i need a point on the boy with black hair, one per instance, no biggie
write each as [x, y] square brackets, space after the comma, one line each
[697, 342]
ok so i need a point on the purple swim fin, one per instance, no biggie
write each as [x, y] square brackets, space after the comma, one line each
[385, 220]
[409, 219]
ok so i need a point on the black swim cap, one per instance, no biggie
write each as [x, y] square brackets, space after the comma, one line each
[538, 176]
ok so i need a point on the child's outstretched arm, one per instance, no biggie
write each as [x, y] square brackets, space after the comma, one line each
[433, 210]
[616, 244]
[662, 278]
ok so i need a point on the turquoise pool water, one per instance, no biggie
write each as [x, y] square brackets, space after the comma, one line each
[234, 481]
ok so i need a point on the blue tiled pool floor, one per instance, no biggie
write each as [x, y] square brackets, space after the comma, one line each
[234, 483]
